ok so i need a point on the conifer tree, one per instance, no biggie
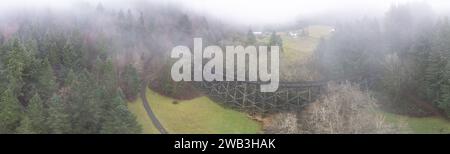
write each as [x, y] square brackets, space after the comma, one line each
[433, 75]
[58, 120]
[10, 111]
[83, 104]
[70, 78]
[275, 40]
[15, 65]
[444, 102]
[251, 38]
[71, 56]
[120, 119]
[130, 82]
[46, 81]
[37, 114]
[26, 126]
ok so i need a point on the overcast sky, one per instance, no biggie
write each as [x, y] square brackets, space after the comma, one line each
[249, 11]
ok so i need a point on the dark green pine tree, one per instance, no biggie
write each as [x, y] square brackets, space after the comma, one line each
[251, 38]
[30, 80]
[70, 78]
[84, 105]
[421, 51]
[120, 120]
[30, 72]
[72, 57]
[58, 119]
[433, 75]
[107, 76]
[46, 81]
[444, 102]
[275, 40]
[10, 112]
[37, 114]
[54, 55]
[106, 86]
[26, 126]
[442, 43]
[130, 82]
[15, 64]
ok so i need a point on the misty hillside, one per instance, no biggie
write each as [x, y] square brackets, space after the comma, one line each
[105, 68]
[72, 72]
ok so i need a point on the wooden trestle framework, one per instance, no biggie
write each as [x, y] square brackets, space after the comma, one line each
[247, 96]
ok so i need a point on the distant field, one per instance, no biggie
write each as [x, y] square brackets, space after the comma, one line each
[302, 47]
[319, 31]
[298, 51]
[200, 115]
[424, 125]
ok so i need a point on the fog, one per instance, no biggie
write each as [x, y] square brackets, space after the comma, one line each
[246, 12]
[79, 52]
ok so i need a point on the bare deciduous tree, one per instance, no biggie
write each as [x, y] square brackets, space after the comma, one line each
[344, 109]
[283, 123]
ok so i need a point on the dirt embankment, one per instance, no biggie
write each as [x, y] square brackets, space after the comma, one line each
[179, 91]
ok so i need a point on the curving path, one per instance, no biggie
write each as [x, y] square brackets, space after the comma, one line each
[149, 110]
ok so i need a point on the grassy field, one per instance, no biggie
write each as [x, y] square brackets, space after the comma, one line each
[297, 53]
[301, 48]
[137, 109]
[200, 115]
[298, 49]
[319, 31]
[426, 125]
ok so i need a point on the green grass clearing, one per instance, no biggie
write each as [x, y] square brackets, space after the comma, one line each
[200, 115]
[425, 125]
[137, 109]
[319, 31]
[298, 49]
[301, 48]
